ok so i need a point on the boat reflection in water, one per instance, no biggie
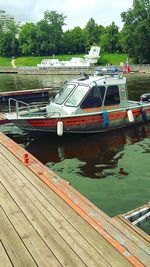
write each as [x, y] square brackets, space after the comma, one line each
[97, 155]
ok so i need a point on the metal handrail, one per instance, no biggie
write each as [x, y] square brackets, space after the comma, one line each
[17, 106]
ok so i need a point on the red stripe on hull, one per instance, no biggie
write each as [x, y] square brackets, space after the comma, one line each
[83, 120]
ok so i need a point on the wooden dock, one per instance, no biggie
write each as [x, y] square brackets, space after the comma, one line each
[45, 222]
[138, 215]
[24, 95]
[3, 119]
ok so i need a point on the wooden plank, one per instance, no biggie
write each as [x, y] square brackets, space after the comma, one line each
[132, 247]
[3, 119]
[142, 238]
[51, 238]
[4, 259]
[13, 245]
[78, 243]
[29, 236]
[71, 236]
[46, 207]
[106, 246]
[2, 116]
[21, 92]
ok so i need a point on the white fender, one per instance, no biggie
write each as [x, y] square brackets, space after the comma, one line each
[59, 128]
[130, 115]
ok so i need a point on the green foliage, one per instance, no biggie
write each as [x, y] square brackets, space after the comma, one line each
[8, 40]
[49, 33]
[109, 40]
[27, 39]
[93, 32]
[43, 38]
[74, 41]
[55, 22]
[136, 31]
[46, 37]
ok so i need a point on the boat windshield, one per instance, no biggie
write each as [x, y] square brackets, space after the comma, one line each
[63, 93]
[77, 96]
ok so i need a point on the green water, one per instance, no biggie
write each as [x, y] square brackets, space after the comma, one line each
[14, 82]
[112, 170]
[100, 180]
[145, 226]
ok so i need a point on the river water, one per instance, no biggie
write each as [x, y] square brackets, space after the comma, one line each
[112, 169]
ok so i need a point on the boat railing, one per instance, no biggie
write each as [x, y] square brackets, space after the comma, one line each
[24, 109]
[17, 107]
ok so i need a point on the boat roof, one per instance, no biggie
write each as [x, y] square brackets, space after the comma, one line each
[99, 80]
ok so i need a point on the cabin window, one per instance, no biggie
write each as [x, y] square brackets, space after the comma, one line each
[63, 94]
[112, 96]
[77, 96]
[94, 98]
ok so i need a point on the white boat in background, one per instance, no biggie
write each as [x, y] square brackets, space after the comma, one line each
[93, 55]
[87, 61]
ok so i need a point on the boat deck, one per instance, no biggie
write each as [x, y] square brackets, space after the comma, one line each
[45, 222]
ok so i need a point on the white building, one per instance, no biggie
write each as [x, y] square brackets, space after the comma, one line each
[5, 19]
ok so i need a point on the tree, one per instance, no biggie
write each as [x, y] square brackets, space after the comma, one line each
[1, 37]
[9, 45]
[56, 22]
[50, 33]
[75, 41]
[109, 40]
[27, 39]
[43, 38]
[93, 32]
[136, 31]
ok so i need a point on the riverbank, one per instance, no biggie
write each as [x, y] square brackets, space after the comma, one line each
[65, 70]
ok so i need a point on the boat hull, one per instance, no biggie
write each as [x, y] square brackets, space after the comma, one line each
[93, 123]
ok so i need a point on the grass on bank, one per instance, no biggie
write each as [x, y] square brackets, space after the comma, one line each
[104, 59]
[113, 59]
[5, 62]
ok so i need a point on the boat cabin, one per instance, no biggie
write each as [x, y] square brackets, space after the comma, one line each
[90, 94]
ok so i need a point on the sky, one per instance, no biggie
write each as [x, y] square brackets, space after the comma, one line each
[78, 12]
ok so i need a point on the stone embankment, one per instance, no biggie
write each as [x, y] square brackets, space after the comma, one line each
[49, 71]
[65, 70]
